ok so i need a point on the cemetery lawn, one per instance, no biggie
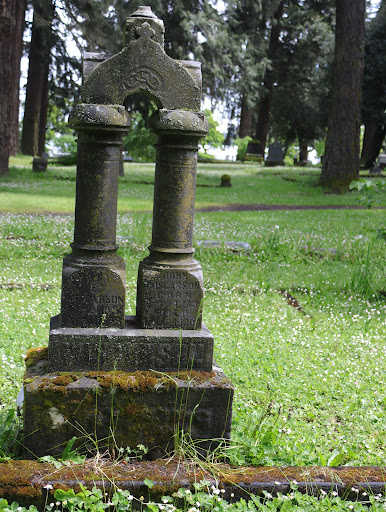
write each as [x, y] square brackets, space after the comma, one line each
[54, 191]
[309, 371]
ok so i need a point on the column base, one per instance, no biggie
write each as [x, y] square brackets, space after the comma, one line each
[129, 349]
[109, 410]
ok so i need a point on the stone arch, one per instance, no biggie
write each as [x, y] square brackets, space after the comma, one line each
[144, 66]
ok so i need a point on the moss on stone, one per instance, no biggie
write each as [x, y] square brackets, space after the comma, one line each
[36, 354]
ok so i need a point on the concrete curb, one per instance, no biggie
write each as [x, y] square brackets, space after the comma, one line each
[30, 482]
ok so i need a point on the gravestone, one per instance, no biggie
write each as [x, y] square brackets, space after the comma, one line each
[375, 169]
[254, 151]
[235, 246]
[39, 163]
[143, 377]
[226, 180]
[382, 160]
[275, 155]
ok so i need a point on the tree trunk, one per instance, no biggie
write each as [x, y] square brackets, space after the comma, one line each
[372, 143]
[303, 152]
[341, 159]
[245, 119]
[264, 112]
[11, 20]
[43, 112]
[39, 61]
[21, 6]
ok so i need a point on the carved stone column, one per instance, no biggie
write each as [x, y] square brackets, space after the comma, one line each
[93, 280]
[170, 282]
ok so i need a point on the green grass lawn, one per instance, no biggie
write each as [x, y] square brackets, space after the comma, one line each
[310, 381]
[54, 191]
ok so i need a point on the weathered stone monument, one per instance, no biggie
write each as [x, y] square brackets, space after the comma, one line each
[275, 155]
[131, 379]
[39, 163]
[254, 152]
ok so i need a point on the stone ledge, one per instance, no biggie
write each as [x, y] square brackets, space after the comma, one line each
[129, 349]
[25, 481]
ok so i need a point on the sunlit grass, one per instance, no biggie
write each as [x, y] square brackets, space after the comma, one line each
[309, 383]
[54, 190]
[309, 380]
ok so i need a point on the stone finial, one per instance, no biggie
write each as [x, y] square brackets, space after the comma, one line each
[143, 15]
[144, 11]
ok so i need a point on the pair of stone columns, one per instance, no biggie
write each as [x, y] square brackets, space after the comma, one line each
[170, 283]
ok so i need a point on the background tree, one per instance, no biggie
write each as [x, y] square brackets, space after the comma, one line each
[250, 24]
[341, 159]
[374, 88]
[11, 30]
[36, 102]
[303, 67]
[262, 124]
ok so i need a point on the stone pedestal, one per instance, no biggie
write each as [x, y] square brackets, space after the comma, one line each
[107, 410]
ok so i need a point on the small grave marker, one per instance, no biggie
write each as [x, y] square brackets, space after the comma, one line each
[275, 155]
[39, 163]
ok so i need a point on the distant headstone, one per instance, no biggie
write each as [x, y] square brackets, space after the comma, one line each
[375, 169]
[254, 151]
[382, 160]
[235, 246]
[275, 155]
[226, 180]
[39, 164]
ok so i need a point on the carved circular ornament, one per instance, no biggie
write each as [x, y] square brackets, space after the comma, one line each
[143, 77]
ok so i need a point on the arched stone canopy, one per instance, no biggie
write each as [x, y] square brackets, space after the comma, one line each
[143, 66]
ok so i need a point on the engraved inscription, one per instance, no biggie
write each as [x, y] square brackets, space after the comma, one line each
[143, 77]
[92, 298]
[174, 299]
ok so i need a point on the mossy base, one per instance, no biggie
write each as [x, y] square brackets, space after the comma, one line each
[109, 410]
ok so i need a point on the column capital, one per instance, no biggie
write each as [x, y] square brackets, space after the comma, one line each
[179, 122]
[93, 116]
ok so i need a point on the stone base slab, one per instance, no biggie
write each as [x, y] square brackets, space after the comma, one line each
[129, 349]
[34, 483]
[109, 410]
